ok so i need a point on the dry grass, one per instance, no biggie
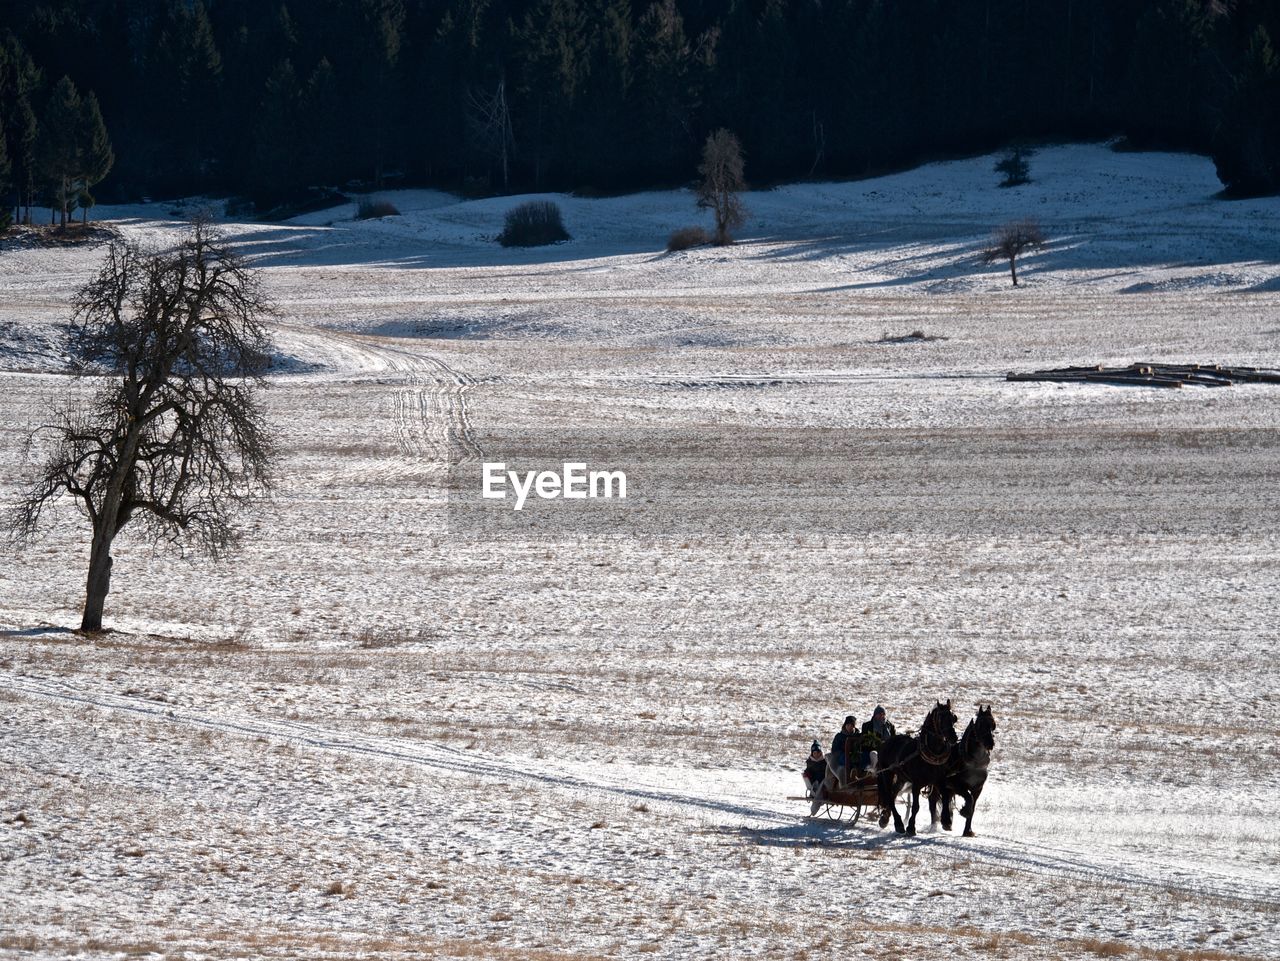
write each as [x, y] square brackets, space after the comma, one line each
[686, 238]
[1104, 949]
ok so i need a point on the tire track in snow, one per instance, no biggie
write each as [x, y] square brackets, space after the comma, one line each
[429, 411]
[992, 850]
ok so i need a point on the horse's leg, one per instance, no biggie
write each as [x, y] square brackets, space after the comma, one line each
[915, 808]
[933, 811]
[971, 806]
[946, 805]
[887, 783]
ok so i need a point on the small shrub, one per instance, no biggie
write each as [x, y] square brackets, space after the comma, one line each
[370, 209]
[1015, 168]
[533, 224]
[687, 237]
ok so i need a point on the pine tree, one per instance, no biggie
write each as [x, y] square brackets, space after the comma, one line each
[373, 58]
[1247, 145]
[1166, 89]
[660, 103]
[96, 156]
[323, 157]
[59, 146]
[6, 171]
[19, 79]
[184, 75]
[601, 104]
[551, 65]
[275, 173]
[1014, 166]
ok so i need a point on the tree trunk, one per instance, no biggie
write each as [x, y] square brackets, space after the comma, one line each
[98, 583]
[1013, 271]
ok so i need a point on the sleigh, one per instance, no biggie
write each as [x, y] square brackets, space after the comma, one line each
[846, 804]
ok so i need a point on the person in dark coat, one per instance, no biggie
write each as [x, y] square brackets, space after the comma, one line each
[815, 768]
[842, 745]
[874, 733]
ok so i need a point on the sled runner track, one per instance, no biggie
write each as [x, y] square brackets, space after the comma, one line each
[466, 764]
[995, 851]
[430, 415]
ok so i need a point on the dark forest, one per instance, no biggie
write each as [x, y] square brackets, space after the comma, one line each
[273, 101]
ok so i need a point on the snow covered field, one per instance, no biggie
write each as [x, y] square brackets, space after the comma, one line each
[372, 736]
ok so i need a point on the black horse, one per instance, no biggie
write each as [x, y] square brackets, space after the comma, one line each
[921, 760]
[967, 774]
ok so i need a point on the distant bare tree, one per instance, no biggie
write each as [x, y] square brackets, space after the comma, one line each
[721, 171]
[489, 117]
[1010, 241]
[174, 436]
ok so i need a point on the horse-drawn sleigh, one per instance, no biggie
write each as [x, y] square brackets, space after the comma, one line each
[845, 804]
[934, 763]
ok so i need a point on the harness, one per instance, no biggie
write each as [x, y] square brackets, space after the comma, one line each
[937, 758]
[930, 757]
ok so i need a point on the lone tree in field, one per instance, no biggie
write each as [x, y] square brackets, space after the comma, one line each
[722, 181]
[174, 438]
[1010, 241]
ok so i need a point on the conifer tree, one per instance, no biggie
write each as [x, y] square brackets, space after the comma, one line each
[6, 171]
[19, 79]
[660, 94]
[59, 146]
[322, 151]
[95, 156]
[1247, 146]
[276, 154]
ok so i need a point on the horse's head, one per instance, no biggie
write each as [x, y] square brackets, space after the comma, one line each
[942, 720]
[984, 726]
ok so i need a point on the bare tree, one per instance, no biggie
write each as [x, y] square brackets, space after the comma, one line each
[490, 120]
[1010, 241]
[173, 437]
[722, 181]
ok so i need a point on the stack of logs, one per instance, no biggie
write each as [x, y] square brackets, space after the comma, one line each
[1155, 375]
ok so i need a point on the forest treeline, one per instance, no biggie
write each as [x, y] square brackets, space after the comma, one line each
[268, 99]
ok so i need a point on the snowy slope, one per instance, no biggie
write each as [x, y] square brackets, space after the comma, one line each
[368, 736]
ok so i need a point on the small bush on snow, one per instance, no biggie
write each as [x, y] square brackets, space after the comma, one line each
[533, 224]
[687, 237]
[369, 209]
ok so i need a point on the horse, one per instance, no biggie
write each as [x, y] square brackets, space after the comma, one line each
[921, 760]
[967, 774]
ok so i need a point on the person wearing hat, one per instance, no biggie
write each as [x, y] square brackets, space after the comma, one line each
[815, 772]
[843, 743]
[874, 733]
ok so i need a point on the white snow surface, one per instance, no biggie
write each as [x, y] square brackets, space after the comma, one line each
[367, 737]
